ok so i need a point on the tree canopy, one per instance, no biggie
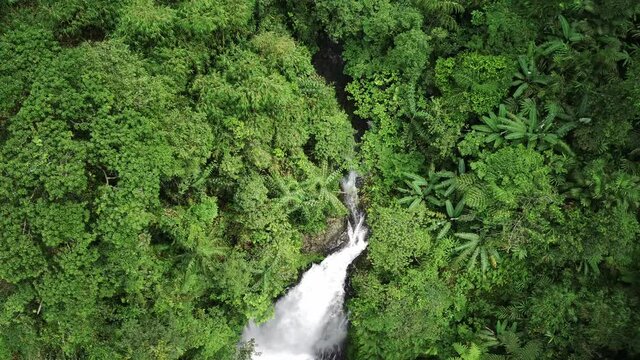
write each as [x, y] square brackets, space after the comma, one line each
[163, 161]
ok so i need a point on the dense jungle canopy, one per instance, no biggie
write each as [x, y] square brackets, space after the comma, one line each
[162, 162]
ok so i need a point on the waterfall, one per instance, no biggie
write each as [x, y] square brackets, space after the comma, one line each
[309, 321]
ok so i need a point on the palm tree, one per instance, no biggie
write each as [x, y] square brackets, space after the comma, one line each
[290, 195]
[320, 188]
[528, 127]
[476, 247]
[438, 190]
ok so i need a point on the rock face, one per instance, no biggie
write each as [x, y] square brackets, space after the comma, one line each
[328, 240]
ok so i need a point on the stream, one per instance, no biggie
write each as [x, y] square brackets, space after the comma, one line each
[310, 322]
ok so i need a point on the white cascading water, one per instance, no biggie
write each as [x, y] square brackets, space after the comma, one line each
[309, 320]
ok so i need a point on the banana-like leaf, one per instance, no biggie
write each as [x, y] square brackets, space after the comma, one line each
[520, 90]
[564, 129]
[533, 116]
[416, 178]
[406, 199]
[450, 210]
[416, 188]
[566, 28]
[415, 203]
[427, 190]
[541, 81]
[515, 121]
[575, 37]
[468, 236]
[474, 259]
[434, 201]
[492, 137]
[445, 229]
[512, 129]
[457, 211]
[484, 261]
[514, 136]
[445, 183]
[482, 128]
[566, 149]
[447, 174]
[524, 66]
[553, 46]
[502, 110]
[450, 189]
[491, 121]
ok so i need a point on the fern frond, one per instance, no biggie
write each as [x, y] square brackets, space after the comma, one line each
[465, 181]
[511, 342]
[476, 197]
[531, 351]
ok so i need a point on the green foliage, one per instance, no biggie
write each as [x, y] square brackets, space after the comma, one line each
[433, 190]
[78, 20]
[437, 127]
[22, 51]
[530, 351]
[505, 30]
[396, 242]
[387, 155]
[598, 182]
[252, 124]
[162, 161]
[144, 23]
[472, 352]
[528, 78]
[410, 313]
[476, 248]
[513, 175]
[140, 218]
[441, 13]
[204, 18]
[526, 127]
[478, 82]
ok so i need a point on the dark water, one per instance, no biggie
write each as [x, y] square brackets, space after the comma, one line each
[329, 64]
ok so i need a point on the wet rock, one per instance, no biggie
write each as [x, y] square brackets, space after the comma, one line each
[334, 235]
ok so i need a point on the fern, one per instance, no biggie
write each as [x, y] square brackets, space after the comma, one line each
[516, 310]
[508, 338]
[476, 248]
[441, 11]
[467, 352]
[476, 197]
[465, 181]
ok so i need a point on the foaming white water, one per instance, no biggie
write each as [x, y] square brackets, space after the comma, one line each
[310, 319]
